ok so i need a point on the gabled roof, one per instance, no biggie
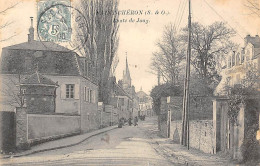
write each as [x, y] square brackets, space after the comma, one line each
[38, 79]
[39, 45]
[52, 59]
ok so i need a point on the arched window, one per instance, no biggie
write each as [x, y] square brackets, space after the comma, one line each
[238, 59]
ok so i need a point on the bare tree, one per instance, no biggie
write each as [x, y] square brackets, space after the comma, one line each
[209, 45]
[253, 6]
[102, 38]
[11, 92]
[6, 24]
[169, 57]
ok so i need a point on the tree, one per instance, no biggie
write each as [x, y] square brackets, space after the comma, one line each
[209, 45]
[4, 25]
[253, 7]
[169, 57]
[11, 92]
[102, 39]
[114, 65]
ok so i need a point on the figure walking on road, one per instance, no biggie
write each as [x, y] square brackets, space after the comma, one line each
[130, 121]
[135, 121]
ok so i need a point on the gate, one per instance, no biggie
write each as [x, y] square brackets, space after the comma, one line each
[7, 131]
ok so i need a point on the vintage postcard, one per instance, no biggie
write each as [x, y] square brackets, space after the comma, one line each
[129, 82]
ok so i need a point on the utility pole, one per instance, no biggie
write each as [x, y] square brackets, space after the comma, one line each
[185, 113]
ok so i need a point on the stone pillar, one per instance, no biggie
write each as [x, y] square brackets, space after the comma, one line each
[217, 116]
[21, 128]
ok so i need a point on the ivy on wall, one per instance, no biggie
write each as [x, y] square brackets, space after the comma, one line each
[164, 90]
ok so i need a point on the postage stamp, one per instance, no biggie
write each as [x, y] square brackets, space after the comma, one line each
[54, 20]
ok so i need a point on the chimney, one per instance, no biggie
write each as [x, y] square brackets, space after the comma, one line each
[31, 31]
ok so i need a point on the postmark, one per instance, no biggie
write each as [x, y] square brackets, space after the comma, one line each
[54, 20]
[62, 23]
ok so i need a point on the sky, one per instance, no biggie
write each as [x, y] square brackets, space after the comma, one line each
[137, 39]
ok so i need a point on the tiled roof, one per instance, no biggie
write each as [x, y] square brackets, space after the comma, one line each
[39, 45]
[37, 79]
[53, 59]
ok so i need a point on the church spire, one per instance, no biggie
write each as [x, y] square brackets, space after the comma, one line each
[126, 76]
[127, 72]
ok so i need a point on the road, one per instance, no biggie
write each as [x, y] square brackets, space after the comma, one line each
[127, 146]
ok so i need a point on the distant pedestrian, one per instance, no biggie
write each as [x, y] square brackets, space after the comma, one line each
[130, 121]
[135, 121]
[120, 123]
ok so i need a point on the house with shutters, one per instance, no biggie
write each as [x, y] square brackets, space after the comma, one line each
[76, 87]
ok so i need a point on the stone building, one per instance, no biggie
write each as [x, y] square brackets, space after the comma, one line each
[230, 137]
[145, 104]
[76, 92]
[39, 94]
[126, 84]
[239, 62]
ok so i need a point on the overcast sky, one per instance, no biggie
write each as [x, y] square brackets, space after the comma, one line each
[138, 39]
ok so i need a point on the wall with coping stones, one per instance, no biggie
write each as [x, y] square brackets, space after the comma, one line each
[107, 111]
[51, 126]
[201, 134]
[21, 128]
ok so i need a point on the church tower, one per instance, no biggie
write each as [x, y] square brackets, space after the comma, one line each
[126, 77]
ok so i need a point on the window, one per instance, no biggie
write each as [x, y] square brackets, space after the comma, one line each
[238, 59]
[23, 91]
[233, 60]
[229, 61]
[242, 58]
[85, 93]
[70, 91]
[89, 95]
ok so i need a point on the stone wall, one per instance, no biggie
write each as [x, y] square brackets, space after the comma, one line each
[201, 108]
[108, 115]
[201, 134]
[42, 127]
[31, 128]
[21, 128]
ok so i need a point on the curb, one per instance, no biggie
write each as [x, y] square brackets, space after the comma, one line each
[55, 148]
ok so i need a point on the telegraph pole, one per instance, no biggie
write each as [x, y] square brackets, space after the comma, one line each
[185, 113]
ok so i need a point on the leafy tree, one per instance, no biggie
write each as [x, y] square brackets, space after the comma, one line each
[164, 90]
[209, 45]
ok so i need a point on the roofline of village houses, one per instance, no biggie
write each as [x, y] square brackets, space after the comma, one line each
[53, 74]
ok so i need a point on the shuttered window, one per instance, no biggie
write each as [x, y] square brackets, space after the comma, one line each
[70, 91]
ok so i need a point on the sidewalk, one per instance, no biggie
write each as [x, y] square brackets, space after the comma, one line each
[178, 153]
[60, 143]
